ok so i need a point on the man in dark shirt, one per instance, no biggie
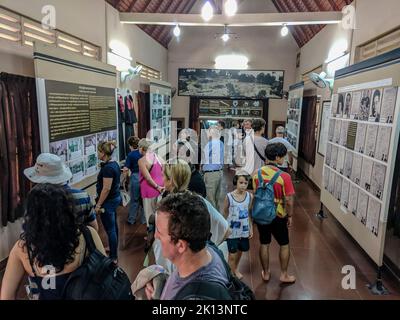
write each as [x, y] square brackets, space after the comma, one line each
[132, 165]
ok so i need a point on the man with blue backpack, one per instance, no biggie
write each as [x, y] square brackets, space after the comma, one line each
[273, 209]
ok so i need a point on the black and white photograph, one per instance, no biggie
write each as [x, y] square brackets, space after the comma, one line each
[366, 173]
[348, 163]
[101, 137]
[336, 135]
[59, 148]
[75, 148]
[328, 154]
[388, 104]
[351, 135]
[90, 165]
[153, 114]
[331, 131]
[353, 199]
[112, 135]
[347, 105]
[360, 138]
[383, 143]
[340, 161]
[340, 106]
[344, 201]
[362, 206]
[370, 140]
[232, 83]
[356, 168]
[355, 104]
[335, 150]
[90, 144]
[155, 99]
[324, 127]
[331, 186]
[338, 188]
[376, 101]
[334, 104]
[326, 177]
[374, 212]
[365, 104]
[159, 99]
[343, 133]
[378, 180]
[77, 169]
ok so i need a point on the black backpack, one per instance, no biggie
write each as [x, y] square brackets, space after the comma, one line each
[210, 290]
[98, 278]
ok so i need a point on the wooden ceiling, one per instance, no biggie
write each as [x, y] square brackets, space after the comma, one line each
[163, 34]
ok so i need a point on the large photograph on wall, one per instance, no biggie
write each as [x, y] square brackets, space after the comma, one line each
[231, 83]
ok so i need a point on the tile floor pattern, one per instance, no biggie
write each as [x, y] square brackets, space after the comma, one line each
[319, 250]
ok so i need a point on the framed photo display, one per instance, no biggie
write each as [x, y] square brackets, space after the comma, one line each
[324, 127]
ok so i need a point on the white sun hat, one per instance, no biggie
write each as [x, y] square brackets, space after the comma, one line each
[49, 168]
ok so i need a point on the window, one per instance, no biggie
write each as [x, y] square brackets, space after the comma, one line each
[382, 44]
[149, 73]
[19, 29]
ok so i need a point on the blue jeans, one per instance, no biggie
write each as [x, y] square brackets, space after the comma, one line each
[135, 196]
[109, 220]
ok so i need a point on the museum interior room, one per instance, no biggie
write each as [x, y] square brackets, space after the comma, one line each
[274, 121]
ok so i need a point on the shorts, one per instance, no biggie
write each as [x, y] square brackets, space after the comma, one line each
[278, 228]
[241, 244]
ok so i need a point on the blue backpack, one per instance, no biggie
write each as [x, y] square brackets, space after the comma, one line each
[264, 208]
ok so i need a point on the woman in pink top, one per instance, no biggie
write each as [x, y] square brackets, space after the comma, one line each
[150, 178]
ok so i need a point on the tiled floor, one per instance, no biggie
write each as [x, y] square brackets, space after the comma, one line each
[319, 250]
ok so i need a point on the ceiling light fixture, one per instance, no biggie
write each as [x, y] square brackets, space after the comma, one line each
[207, 11]
[177, 31]
[284, 30]
[230, 7]
[225, 37]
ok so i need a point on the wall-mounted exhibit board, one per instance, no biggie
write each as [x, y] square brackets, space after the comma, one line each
[361, 149]
[295, 104]
[77, 109]
[160, 116]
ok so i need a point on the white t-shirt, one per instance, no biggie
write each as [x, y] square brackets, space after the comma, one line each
[288, 146]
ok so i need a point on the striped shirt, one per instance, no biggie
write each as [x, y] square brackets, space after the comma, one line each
[83, 204]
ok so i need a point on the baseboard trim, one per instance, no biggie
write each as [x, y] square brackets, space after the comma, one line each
[312, 183]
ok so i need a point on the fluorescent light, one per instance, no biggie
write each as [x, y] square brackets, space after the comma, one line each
[31, 26]
[68, 40]
[120, 49]
[6, 36]
[5, 17]
[35, 36]
[177, 31]
[338, 49]
[225, 37]
[9, 28]
[207, 11]
[68, 48]
[231, 61]
[117, 61]
[230, 7]
[284, 31]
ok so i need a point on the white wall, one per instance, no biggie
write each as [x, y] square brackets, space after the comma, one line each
[264, 47]
[374, 18]
[85, 20]
[142, 47]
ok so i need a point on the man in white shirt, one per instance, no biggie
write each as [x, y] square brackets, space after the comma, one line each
[280, 137]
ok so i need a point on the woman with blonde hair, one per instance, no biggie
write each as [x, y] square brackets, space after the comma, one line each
[150, 178]
[108, 194]
[176, 179]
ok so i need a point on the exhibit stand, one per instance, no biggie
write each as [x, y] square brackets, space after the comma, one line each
[295, 105]
[160, 117]
[361, 148]
[77, 109]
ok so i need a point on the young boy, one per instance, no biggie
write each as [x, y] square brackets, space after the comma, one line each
[237, 208]
[132, 165]
[284, 192]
